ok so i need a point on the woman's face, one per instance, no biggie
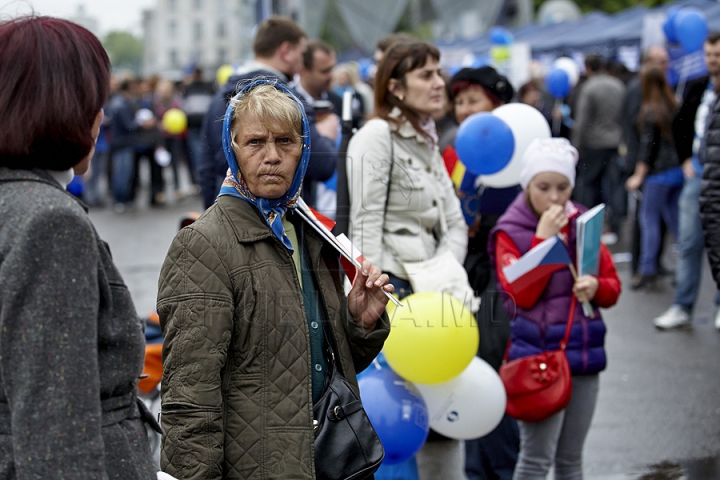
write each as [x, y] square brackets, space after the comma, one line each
[546, 189]
[471, 100]
[423, 89]
[267, 160]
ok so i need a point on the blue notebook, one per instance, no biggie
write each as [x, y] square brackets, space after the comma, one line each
[589, 230]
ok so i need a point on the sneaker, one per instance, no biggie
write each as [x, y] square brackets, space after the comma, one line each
[675, 318]
[717, 319]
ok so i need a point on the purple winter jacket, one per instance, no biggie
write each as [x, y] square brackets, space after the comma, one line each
[542, 327]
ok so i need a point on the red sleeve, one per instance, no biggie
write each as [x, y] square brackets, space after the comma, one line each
[507, 253]
[609, 285]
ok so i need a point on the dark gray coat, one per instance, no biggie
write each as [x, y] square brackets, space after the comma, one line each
[71, 343]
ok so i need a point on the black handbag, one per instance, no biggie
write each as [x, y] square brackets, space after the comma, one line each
[346, 444]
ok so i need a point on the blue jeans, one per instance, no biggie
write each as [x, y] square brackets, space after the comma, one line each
[195, 143]
[660, 202]
[123, 174]
[98, 166]
[688, 270]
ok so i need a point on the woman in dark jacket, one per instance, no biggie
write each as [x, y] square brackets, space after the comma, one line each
[71, 343]
[657, 170]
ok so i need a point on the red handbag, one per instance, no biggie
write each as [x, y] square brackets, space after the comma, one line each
[539, 386]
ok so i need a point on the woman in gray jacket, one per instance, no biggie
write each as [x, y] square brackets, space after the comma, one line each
[403, 206]
[71, 343]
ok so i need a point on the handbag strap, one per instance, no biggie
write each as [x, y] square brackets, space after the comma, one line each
[568, 328]
[387, 192]
[571, 317]
[443, 219]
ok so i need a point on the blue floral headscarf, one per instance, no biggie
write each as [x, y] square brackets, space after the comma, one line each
[235, 185]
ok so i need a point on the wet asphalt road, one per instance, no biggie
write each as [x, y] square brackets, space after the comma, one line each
[658, 415]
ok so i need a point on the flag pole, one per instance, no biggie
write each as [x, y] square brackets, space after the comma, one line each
[588, 309]
[310, 218]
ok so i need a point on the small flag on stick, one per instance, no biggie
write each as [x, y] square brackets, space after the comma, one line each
[351, 258]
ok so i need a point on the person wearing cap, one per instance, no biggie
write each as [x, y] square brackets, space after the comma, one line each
[250, 298]
[476, 90]
[541, 309]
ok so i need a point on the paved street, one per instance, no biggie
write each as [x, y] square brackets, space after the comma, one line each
[658, 414]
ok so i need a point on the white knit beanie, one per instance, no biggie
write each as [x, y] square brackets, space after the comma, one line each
[549, 155]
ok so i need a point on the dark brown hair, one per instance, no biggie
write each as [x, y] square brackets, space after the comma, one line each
[273, 32]
[312, 47]
[398, 61]
[55, 79]
[657, 100]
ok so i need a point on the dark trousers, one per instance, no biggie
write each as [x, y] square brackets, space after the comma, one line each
[493, 456]
[592, 184]
[157, 182]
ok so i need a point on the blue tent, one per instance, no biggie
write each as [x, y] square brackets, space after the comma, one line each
[595, 32]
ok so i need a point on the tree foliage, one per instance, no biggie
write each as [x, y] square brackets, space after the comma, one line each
[124, 49]
[609, 6]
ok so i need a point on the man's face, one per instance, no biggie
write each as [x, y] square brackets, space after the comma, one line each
[318, 79]
[712, 58]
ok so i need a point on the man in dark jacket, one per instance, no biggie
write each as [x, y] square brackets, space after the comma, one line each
[710, 153]
[596, 134]
[688, 130]
[278, 47]
[197, 98]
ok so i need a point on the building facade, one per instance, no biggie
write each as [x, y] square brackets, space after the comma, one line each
[179, 34]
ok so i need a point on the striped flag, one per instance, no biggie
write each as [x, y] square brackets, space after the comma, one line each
[545, 258]
[464, 182]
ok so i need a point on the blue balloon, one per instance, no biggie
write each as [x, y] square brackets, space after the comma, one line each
[558, 83]
[484, 143]
[691, 29]
[76, 186]
[501, 36]
[669, 24]
[397, 412]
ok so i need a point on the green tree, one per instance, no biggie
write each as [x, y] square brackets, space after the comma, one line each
[609, 6]
[124, 49]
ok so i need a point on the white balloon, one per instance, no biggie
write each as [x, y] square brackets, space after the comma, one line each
[470, 405]
[570, 67]
[526, 124]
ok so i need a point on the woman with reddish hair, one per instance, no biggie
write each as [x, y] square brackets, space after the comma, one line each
[71, 343]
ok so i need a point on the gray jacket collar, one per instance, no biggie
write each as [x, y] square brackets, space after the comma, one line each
[8, 175]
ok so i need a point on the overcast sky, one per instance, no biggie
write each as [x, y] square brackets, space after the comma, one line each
[110, 14]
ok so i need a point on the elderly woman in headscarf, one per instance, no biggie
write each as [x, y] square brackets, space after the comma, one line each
[250, 297]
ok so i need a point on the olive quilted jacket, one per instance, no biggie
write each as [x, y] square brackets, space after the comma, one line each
[236, 390]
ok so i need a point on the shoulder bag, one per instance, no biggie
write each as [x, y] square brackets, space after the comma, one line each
[346, 444]
[539, 386]
[442, 272]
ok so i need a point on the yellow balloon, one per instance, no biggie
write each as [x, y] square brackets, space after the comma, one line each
[500, 53]
[222, 74]
[174, 121]
[433, 338]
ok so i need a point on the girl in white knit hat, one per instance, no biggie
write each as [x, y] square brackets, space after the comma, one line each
[543, 309]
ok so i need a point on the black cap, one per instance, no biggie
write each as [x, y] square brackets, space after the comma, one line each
[488, 78]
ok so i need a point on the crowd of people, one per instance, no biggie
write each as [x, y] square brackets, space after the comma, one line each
[256, 319]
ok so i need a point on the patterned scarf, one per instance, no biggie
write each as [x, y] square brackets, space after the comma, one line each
[235, 185]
